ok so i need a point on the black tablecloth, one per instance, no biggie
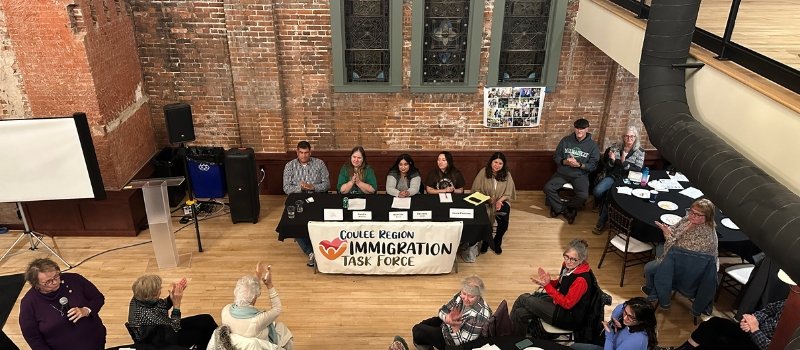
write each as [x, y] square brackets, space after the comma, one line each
[474, 230]
[645, 215]
[509, 343]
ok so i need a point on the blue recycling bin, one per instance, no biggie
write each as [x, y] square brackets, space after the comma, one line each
[206, 171]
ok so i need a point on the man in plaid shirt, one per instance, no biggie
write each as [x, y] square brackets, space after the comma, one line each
[460, 320]
[754, 331]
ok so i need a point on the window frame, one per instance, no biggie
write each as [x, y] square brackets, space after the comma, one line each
[552, 60]
[340, 83]
[473, 62]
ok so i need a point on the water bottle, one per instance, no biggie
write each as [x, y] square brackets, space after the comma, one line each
[645, 176]
[345, 202]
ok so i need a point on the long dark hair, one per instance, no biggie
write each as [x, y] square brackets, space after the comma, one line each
[645, 317]
[349, 164]
[395, 169]
[501, 175]
[450, 166]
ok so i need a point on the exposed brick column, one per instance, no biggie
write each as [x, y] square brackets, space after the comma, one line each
[184, 57]
[80, 56]
[253, 50]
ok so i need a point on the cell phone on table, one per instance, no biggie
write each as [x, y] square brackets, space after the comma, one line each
[524, 344]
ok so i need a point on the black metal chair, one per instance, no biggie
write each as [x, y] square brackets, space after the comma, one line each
[632, 251]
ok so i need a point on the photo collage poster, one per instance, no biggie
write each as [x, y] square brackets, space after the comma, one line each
[512, 107]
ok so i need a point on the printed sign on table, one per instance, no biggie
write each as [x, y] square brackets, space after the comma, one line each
[385, 247]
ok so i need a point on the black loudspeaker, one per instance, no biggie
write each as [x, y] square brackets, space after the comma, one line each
[242, 177]
[178, 117]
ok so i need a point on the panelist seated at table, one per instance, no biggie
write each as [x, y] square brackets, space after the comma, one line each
[403, 179]
[357, 177]
[459, 321]
[495, 181]
[616, 163]
[445, 178]
[565, 300]
[576, 156]
[632, 327]
[305, 174]
[694, 233]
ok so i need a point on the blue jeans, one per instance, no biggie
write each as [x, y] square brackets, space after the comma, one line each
[601, 197]
[305, 245]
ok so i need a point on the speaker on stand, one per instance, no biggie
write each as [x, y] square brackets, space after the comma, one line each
[241, 173]
[180, 129]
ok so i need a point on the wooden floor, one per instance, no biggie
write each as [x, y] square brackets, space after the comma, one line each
[768, 27]
[335, 311]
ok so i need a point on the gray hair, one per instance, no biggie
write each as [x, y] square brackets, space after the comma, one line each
[37, 266]
[473, 285]
[247, 290]
[579, 246]
[634, 130]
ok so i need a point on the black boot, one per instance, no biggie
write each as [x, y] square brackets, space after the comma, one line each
[498, 241]
[484, 247]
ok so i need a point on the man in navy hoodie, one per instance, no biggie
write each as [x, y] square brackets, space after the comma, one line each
[576, 156]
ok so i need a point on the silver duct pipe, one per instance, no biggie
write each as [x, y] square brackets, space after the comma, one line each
[766, 210]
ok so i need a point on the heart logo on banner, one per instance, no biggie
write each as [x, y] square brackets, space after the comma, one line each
[332, 250]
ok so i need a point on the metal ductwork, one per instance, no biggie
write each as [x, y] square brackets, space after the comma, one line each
[766, 210]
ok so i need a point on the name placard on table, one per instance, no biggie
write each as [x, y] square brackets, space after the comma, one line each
[423, 215]
[333, 215]
[398, 216]
[362, 215]
[462, 213]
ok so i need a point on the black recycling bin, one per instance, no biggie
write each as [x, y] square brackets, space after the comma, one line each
[169, 163]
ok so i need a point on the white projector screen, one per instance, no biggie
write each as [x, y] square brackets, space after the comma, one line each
[48, 159]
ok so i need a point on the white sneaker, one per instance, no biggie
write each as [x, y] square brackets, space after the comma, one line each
[311, 262]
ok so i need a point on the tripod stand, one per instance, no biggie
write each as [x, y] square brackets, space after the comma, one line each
[34, 239]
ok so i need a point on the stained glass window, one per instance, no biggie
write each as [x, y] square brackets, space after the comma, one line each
[445, 41]
[523, 48]
[366, 39]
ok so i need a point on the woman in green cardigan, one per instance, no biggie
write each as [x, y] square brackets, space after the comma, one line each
[357, 176]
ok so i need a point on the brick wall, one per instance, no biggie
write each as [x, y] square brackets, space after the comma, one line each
[259, 75]
[81, 56]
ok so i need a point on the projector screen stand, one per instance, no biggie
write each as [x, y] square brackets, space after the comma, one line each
[34, 239]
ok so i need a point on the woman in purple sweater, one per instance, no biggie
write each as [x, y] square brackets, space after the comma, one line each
[60, 311]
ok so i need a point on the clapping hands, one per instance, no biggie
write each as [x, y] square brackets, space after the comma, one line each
[264, 273]
[453, 318]
[176, 293]
[749, 323]
[542, 278]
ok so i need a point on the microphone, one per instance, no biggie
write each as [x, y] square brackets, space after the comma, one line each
[64, 304]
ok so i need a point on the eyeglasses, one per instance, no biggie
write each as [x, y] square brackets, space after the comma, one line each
[52, 281]
[627, 315]
[689, 211]
[570, 259]
[630, 136]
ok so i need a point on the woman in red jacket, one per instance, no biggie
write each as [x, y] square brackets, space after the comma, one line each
[561, 302]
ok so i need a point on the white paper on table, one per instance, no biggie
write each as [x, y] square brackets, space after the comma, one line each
[692, 193]
[488, 347]
[423, 214]
[635, 176]
[445, 198]
[357, 204]
[398, 216]
[401, 203]
[333, 214]
[671, 184]
[679, 177]
[462, 213]
[624, 190]
[362, 215]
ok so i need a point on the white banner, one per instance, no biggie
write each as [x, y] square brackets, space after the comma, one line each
[382, 248]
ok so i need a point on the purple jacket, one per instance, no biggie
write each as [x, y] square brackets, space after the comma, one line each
[44, 327]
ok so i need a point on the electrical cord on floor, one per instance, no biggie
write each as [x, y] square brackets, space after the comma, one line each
[217, 213]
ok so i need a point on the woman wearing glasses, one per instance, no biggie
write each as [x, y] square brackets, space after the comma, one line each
[632, 327]
[615, 164]
[60, 311]
[695, 234]
[564, 300]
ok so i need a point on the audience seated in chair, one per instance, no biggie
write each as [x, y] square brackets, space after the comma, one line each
[150, 324]
[690, 273]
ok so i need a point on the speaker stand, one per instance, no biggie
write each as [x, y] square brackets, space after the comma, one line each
[191, 202]
[34, 239]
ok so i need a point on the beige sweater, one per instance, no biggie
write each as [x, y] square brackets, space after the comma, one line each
[495, 190]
